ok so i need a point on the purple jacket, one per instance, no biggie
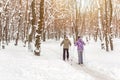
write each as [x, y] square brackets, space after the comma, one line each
[80, 44]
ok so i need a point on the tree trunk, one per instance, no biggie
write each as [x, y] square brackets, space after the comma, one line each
[110, 28]
[76, 25]
[33, 26]
[106, 27]
[0, 30]
[39, 29]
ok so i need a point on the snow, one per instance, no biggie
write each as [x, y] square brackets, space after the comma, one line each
[17, 63]
[102, 61]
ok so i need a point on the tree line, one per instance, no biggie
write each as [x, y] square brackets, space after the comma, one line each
[34, 21]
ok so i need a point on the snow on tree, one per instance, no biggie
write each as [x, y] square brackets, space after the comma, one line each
[39, 29]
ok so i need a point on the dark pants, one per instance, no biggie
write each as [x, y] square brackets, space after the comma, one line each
[65, 50]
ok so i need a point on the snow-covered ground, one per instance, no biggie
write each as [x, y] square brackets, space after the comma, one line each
[99, 60]
[105, 62]
[17, 63]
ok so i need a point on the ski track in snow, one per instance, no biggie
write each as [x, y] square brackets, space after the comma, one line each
[96, 75]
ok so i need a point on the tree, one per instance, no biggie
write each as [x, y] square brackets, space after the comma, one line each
[110, 26]
[0, 23]
[108, 19]
[19, 23]
[32, 30]
[39, 29]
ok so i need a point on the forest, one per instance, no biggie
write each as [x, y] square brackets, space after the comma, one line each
[34, 21]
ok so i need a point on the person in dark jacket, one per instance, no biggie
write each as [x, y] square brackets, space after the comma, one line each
[66, 44]
[80, 47]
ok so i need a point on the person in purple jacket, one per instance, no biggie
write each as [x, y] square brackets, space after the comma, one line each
[80, 47]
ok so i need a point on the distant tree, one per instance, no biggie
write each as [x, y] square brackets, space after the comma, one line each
[110, 25]
[108, 28]
[19, 23]
[76, 21]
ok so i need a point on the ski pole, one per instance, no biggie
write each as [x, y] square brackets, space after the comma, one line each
[84, 56]
[72, 54]
[60, 52]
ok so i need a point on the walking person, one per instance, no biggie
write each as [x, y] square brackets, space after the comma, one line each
[80, 48]
[66, 44]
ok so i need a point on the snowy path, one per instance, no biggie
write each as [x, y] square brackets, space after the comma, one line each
[16, 63]
[49, 66]
[96, 75]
